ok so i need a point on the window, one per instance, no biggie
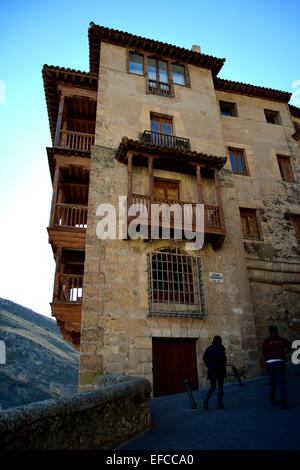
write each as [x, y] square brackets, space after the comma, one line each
[238, 163]
[250, 224]
[160, 124]
[176, 284]
[158, 70]
[136, 63]
[178, 74]
[285, 168]
[272, 117]
[296, 221]
[228, 109]
[168, 190]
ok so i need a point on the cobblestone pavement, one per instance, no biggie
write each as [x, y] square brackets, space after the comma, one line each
[248, 422]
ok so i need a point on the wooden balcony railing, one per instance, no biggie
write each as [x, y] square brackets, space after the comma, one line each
[159, 88]
[69, 215]
[70, 288]
[165, 140]
[211, 213]
[75, 140]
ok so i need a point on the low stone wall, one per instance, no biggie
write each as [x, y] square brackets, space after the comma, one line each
[92, 420]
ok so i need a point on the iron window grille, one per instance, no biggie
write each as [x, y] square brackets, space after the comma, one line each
[175, 284]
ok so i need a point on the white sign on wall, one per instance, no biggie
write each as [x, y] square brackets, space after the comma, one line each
[216, 277]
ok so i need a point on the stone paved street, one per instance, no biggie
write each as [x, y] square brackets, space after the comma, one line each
[248, 422]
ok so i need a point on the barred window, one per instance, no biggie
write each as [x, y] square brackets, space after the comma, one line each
[175, 284]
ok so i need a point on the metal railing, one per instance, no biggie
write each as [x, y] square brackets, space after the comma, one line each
[159, 88]
[76, 140]
[70, 215]
[165, 140]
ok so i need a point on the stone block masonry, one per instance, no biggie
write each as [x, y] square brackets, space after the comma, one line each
[98, 419]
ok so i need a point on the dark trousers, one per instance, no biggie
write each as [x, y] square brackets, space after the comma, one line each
[276, 372]
[213, 384]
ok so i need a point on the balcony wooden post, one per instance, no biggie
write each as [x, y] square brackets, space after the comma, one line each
[59, 120]
[151, 185]
[129, 170]
[199, 184]
[219, 199]
[57, 274]
[54, 196]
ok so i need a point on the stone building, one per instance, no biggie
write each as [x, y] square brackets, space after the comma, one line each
[154, 122]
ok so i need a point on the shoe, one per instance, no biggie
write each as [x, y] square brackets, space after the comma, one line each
[205, 404]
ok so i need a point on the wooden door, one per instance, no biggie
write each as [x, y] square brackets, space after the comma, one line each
[174, 359]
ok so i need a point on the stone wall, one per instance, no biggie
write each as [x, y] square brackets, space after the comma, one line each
[93, 420]
[117, 330]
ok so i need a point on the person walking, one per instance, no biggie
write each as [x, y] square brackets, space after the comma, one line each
[274, 349]
[215, 361]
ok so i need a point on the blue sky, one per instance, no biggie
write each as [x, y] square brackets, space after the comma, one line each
[259, 39]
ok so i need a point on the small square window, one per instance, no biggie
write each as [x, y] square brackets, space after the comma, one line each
[296, 221]
[285, 168]
[136, 63]
[250, 224]
[272, 117]
[228, 109]
[238, 162]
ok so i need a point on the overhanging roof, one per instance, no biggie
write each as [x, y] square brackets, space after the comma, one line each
[98, 34]
[53, 76]
[251, 90]
[169, 158]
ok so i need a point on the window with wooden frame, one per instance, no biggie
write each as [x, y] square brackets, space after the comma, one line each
[250, 224]
[179, 74]
[168, 190]
[272, 117]
[296, 222]
[161, 130]
[175, 283]
[238, 161]
[136, 63]
[228, 109]
[285, 168]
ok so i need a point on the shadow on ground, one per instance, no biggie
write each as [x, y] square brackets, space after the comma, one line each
[247, 423]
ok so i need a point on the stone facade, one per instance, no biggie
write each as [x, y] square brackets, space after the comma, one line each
[260, 277]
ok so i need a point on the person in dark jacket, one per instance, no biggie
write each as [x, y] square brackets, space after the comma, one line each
[215, 361]
[274, 349]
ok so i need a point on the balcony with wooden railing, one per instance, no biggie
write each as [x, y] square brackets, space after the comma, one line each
[165, 140]
[159, 88]
[212, 219]
[70, 215]
[75, 140]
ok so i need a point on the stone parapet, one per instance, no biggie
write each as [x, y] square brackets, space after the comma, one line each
[92, 420]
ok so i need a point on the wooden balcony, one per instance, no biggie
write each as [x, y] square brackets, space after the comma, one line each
[165, 140]
[159, 88]
[67, 306]
[68, 226]
[75, 140]
[213, 225]
[70, 215]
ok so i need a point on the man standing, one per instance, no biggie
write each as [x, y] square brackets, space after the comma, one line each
[215, 360]
[274, 349]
